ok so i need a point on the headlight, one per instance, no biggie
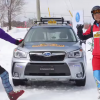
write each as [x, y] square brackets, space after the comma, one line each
[75, 54]
[19, 54]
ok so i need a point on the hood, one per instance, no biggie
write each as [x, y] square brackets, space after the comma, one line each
[51, 46]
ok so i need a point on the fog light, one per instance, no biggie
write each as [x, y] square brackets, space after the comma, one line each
[16, 74]
[79, 75]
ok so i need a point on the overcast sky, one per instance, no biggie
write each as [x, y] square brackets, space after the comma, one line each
[59, 8]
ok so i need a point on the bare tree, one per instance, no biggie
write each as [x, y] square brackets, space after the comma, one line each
[14, 8]
[2, 11]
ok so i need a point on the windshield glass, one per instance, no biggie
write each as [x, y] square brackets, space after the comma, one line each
[50, 34]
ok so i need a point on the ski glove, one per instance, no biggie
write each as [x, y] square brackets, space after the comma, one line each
[18, 41]
[79, 27]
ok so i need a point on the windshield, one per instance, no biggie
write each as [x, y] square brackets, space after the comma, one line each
[50, 34]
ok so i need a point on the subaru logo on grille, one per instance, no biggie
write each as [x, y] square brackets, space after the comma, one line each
[47, 54]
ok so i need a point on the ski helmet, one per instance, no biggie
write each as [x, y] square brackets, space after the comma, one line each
[94, 8]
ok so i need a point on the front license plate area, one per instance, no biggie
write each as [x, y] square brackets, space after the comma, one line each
[47, 69]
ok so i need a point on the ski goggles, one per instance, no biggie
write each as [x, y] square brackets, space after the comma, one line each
[96, 11]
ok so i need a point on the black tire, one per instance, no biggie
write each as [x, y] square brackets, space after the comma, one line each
[81, 82]
[17, 82]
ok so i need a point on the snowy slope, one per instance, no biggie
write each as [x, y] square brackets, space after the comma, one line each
[48, 91]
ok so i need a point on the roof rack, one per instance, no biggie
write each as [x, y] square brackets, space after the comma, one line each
[56, 19]
[45, 21]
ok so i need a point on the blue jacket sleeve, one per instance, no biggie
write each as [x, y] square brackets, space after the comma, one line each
[7, 37]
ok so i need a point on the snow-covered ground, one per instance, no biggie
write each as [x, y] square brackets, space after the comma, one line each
[49, 91]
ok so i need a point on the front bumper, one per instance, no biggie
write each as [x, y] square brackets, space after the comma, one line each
[70, 68]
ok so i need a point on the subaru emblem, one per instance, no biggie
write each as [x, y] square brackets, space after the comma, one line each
[77, 17]
[46, 54]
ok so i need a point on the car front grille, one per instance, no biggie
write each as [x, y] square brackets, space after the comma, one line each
[55, 56]
[59, 69]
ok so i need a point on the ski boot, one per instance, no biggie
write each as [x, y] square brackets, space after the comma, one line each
[15, 95]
